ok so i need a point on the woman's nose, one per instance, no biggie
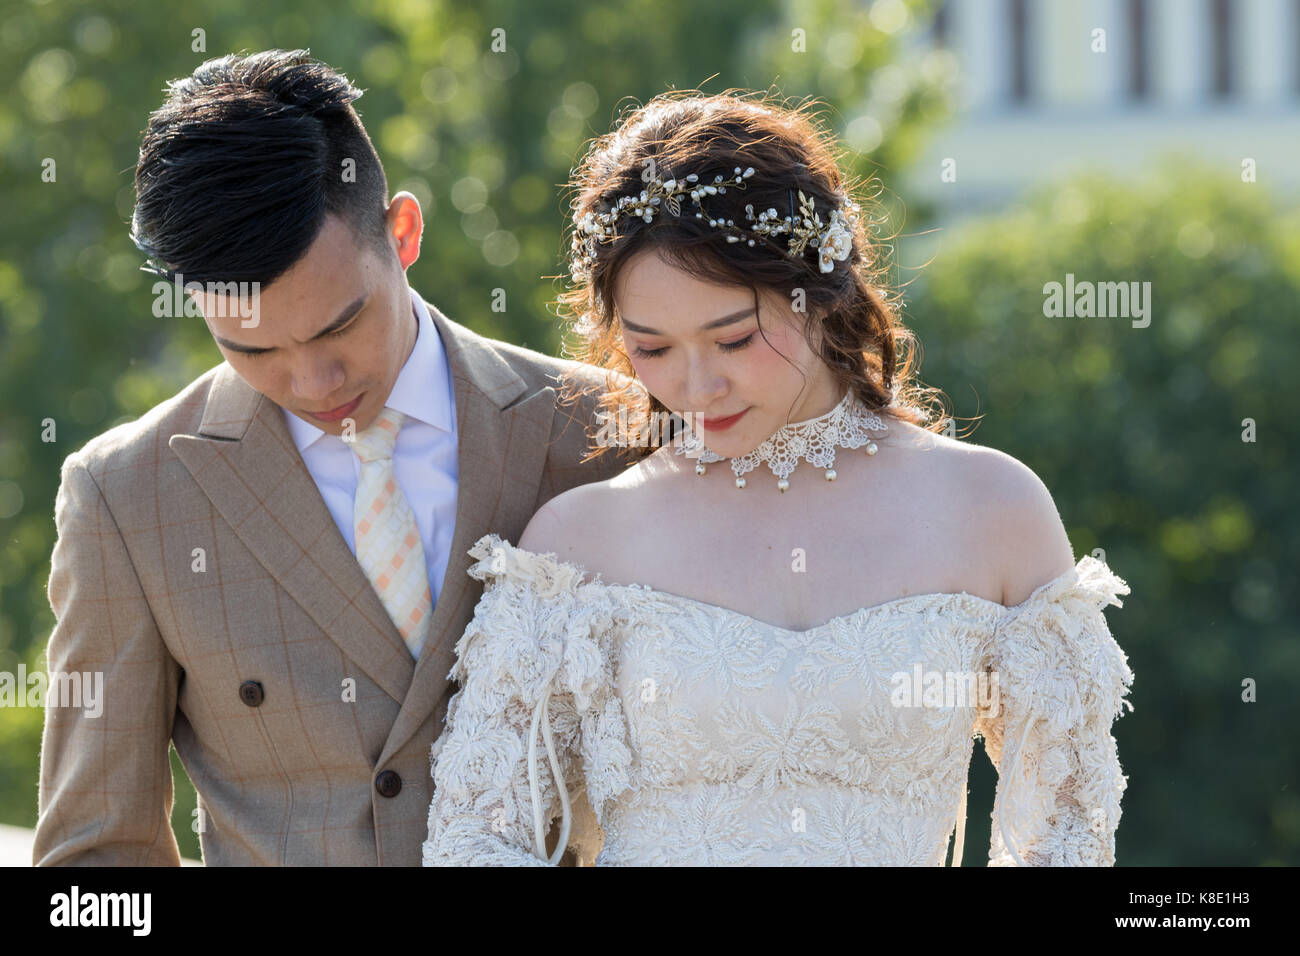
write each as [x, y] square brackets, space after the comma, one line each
[704, 388]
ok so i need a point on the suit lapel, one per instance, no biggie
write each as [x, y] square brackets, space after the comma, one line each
[245, 461]
[502, 446]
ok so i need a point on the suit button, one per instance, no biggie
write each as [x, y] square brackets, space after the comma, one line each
[388, 783]
[250, 692]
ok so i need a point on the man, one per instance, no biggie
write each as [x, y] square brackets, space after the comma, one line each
[269, 569]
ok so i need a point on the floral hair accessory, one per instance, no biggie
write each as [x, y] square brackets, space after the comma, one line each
[833, 239]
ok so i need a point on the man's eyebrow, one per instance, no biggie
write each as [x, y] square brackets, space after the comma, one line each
[715, 324]
[344, 317]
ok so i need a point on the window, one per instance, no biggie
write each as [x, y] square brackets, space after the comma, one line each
[1221, 48]
[1019, 16]
[1139, 81]
[941, 27]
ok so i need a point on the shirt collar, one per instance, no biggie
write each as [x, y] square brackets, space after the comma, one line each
[421, 388]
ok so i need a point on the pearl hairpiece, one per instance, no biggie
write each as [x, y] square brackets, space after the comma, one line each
[833, 239]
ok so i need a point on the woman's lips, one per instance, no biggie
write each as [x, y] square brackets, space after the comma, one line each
[334, 414]
[721, 424]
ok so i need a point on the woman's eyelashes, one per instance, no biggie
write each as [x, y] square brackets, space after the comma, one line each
[725, 346]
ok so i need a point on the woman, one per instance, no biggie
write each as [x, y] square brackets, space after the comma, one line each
[772, 663]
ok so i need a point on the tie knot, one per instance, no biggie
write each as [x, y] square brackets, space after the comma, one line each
[376, 442]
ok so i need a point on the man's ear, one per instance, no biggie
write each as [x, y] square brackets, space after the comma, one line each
[405, 225]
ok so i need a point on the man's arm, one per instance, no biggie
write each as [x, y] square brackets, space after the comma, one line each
[106, 785]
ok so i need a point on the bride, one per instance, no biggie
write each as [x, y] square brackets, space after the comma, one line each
[759, 645]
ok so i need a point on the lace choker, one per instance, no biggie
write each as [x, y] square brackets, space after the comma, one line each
[844, 426]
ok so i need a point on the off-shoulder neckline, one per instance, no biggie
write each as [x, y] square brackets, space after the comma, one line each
[644, 589]
[862, 612]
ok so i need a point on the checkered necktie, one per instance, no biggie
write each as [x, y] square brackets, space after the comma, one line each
[387, 539]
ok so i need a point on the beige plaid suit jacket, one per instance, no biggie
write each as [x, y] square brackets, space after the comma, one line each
[247, 664]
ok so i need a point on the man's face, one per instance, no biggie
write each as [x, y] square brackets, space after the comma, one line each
[334, 331]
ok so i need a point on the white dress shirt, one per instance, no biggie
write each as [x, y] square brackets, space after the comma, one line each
[424, 459]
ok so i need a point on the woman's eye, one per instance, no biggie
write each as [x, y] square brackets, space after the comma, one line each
[725, 346]
[736, 346]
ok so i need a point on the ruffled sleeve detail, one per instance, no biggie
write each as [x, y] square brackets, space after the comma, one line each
[1061, 680]
[533, 663]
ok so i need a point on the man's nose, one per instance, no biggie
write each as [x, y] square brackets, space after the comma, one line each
[314, 381]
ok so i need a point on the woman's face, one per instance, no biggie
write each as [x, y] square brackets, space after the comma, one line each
[697, 348]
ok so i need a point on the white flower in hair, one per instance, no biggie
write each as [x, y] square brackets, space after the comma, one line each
[836, 243]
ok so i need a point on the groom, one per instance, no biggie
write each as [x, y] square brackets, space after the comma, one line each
[269, 568]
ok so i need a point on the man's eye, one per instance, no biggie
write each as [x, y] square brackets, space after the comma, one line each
[328, 334]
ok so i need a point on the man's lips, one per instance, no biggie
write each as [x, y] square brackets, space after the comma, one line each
[334, 414]
[719, 424]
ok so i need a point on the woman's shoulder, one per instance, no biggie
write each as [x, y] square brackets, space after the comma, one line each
[1017, 524]
[517, 570]
[566, 528]
[582, 522]
[1026, 535]
[1015, 518]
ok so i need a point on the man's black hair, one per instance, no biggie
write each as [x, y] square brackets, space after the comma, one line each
[240, 166]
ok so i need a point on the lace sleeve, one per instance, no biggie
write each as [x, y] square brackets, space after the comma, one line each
[532, 663]
[1061, 681]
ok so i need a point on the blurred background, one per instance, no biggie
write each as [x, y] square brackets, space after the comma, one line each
[1017, 143]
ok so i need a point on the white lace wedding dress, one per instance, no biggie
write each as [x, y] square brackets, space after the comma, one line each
[705, 737]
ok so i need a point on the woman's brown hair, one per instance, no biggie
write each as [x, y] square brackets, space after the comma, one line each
[852, 322]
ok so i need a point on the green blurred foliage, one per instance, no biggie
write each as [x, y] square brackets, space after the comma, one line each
[484, 139]
[1138, 433]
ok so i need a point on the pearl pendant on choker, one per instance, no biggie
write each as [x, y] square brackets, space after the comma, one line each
[844, 426]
